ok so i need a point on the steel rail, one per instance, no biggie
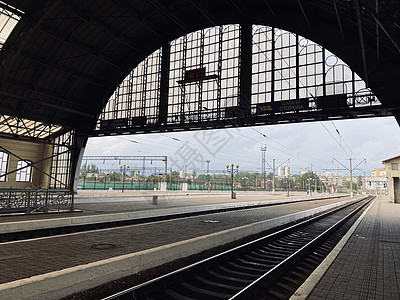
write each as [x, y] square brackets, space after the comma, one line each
[229, 286]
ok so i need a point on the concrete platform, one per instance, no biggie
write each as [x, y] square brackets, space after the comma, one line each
[365, 264]
[54, 267]
[108, 206]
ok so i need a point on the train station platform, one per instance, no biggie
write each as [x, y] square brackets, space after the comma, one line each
[93, 207]
[364, 265]
[56, 266]
[366, 262]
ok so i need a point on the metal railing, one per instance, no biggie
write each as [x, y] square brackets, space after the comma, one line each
[30, 201]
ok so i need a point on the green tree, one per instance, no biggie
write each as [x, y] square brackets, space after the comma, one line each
[85, 169]
[347, 185]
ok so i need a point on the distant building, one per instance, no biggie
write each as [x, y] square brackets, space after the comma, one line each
[283, 171]
[393, 174]
[381, 172]
[95, 175]
[377, 185]
[333, 178]
[186, 174]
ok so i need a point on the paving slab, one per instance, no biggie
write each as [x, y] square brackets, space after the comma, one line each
[367, 264]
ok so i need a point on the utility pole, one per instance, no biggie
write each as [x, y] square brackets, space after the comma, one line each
[208, 166]
[273, 176]
[351, 173]
[363, 183]
[351, 180]
[263, 149]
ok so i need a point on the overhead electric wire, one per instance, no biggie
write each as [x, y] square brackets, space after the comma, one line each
[335, 139]
[337, 130]
[274, 148]
[305, 155]
[176, 148]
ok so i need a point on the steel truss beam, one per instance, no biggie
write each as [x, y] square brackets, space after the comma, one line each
[236, 6]
[131, 11]
[169, 15]
[203, 11]
[76, 44]
[41, 103]
[26, 131]
[84, 17]
[348, 113]
[11, 9]
[303, 12]
[338, 19]
[47, 63]
[270, 8]
[361, 37]
[188, 112]
[375, 17]
[26, 87]
[34, 140]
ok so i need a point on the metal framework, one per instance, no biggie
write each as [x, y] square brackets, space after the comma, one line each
[27, 128]
[246, 67]
[125, 159]
[58, 195]
[62, 64]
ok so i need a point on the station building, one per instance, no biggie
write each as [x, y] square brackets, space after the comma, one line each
[393, 174]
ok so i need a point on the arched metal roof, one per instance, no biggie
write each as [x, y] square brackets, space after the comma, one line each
[64, 59]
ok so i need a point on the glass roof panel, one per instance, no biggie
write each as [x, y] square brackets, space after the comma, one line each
[25, 127]
[8, 20]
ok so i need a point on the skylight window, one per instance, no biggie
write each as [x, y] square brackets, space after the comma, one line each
[8, 20]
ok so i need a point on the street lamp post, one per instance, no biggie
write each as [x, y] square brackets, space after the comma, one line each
[123, 169]
[232, 171]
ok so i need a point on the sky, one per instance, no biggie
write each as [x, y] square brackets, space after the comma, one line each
[317, 146]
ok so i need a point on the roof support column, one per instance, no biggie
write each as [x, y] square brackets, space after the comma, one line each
[245, 68]
[164, 84]
[76, 159]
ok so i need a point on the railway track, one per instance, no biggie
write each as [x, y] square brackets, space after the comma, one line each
[271, 267]
[18, 236]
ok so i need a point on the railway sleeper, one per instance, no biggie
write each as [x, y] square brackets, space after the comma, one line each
[205, 293]
[273, 252]
[275, 294]
[271, 256]
[238, 273]
[292, 280]
[274, 248]
[256, 261]
[234, 280]
[247, 268]
[301, 270]
[217, 285]
[263, 258]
